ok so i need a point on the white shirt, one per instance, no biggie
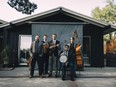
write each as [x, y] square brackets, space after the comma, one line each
[54, 42]
[66, 53]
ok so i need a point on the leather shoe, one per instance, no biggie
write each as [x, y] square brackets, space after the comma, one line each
[72, 79]
[30, 76]
[41, 76]
[63, 79]
[49, 75]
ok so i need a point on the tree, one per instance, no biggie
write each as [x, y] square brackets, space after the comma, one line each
[23, 6]
[107, 13]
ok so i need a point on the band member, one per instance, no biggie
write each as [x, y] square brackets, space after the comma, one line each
[36, 53]
[71, 59]
[64, 65]
[53, 55]
[45, 54]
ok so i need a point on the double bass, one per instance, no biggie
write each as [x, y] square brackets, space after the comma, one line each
[79, 60]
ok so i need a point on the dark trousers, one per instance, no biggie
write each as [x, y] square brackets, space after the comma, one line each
[45, 63]
[41, 66]
[35, 59]
[70, 65]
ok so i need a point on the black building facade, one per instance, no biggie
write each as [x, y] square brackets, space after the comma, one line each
[90, 34]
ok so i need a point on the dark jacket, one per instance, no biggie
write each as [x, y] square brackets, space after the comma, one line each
[55, 49]
[40, 49]
[71, 53]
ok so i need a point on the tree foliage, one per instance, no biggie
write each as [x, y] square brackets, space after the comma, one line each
[24, 6]
[107, 13]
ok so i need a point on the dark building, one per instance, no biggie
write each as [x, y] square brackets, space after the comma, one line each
[1, 35]
[63, 22]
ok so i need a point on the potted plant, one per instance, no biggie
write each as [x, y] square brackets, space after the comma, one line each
[5, 54]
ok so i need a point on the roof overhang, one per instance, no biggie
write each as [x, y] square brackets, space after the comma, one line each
[63, 10]
[2, 21]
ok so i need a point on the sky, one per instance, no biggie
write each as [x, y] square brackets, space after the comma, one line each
[85, 7]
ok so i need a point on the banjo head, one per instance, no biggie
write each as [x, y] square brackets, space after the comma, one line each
[63, 59]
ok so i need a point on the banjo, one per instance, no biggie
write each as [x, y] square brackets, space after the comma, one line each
[63, 58]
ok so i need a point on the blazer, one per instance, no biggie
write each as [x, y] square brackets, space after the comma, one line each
[40, 48]
[55, 49]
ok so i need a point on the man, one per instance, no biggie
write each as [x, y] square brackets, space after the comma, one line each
[45, 54]
[53, 53]
[36, 53]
